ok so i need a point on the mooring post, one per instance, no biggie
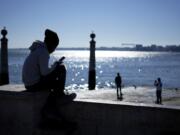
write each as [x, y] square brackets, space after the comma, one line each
[92, 63]
[4, 73]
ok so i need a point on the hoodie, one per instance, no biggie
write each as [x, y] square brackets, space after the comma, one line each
[36, 64]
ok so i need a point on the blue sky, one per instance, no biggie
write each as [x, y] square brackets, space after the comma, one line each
[114, 21]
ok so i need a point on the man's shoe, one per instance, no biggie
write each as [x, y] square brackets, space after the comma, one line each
[66, 98]
[71, 96]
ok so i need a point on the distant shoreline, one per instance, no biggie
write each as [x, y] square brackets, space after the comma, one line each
[109, 49]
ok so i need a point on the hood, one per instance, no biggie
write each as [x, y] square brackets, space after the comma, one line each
[35, 45]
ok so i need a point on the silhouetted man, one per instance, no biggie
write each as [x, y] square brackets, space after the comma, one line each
[118, 82]
[38, 76]
[158, 85]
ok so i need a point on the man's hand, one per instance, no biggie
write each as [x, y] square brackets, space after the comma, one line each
[61, 59]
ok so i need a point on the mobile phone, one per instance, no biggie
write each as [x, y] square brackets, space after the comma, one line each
[61, 59]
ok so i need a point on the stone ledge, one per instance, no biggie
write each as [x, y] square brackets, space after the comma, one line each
[20, 114]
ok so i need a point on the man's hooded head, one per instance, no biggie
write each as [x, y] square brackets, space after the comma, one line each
[51, 39]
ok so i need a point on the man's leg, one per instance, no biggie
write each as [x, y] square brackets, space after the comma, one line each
[120, 91]
[157, 99]
[61, 79]
[50, 110]
[59, 87]
[57, 98]
[160, 97]
[117, 93]
[55, 80]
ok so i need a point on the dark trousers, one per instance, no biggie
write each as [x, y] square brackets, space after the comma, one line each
[119, 93]
[159, 98]
[55, 84]
[54, 81]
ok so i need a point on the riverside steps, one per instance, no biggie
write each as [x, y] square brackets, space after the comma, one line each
[95, 115]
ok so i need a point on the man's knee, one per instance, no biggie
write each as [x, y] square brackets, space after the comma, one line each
[62, 68]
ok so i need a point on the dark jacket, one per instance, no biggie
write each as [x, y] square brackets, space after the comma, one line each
[118, 81]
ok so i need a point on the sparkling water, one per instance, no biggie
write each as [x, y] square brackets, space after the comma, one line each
[136, 68]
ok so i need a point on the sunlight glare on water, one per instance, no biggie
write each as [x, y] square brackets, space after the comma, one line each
[103, 54]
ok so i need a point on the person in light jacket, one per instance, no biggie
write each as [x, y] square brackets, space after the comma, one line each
[37, 75]
[158, 85]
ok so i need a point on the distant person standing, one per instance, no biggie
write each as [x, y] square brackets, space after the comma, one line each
[118, 82]
[158, 85]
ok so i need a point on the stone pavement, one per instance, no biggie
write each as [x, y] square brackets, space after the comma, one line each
[140, 95]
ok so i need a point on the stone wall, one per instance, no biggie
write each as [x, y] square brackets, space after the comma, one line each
[20, 115]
